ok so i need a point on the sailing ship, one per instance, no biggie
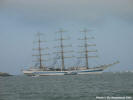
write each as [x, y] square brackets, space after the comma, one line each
[41, 70]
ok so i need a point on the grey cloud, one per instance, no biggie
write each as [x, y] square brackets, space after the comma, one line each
[49, 12]
[71, 8]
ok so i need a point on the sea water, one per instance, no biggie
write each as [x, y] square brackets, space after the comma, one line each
[68, 87]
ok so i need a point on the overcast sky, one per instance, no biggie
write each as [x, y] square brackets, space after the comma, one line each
[110, 20]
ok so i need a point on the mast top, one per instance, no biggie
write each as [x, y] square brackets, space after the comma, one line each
[38, 33]
[61, 31]
[85, 30]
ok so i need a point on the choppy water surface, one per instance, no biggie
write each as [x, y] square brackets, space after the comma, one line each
[69, 87]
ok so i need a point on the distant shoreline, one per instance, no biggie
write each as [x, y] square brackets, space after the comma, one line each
[4, 74]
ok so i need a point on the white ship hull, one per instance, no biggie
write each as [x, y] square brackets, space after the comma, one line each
[57, 73]
[43, 73]
[95, 70]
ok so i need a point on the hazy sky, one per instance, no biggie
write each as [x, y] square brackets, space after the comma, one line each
[110, 20]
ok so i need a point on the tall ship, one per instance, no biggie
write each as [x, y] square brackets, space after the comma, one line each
[39, 69]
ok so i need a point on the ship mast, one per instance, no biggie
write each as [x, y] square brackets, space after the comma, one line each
[61, 46]
[86, 48]
[39, 49]
[86, 45]
[62, 49]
